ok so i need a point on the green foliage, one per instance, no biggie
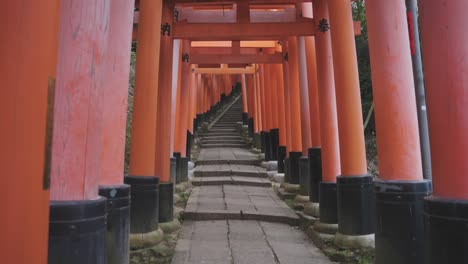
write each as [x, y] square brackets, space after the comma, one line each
[131, 86]
[362, 49]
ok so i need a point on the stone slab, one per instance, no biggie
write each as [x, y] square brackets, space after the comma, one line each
[244, 242]
[232, 180]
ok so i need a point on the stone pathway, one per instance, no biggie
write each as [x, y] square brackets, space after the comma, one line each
[233, 215]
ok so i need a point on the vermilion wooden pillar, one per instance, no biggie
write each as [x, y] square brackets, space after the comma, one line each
[192, 110]
[78, 135]
[251, 103]
[280, 104]
[142, 148]
[445, 51]
[294, 113]
[283, 149]
[175, 93]
[314, 151]
[183, 103]
[163, 124]
[28, 51]
[245, 105]
[282, 130]
[261, 84]
[274, 131]
[355, 208]
[397, 137]
[145, 212]
[304, 167]
[311, 59]
[304, 97]
[193, 90]
[267, 95]
[330, 151]
[114, 121]
[259, 123]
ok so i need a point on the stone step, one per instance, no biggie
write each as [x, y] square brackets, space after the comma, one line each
[224, 145]
[231, 180]
[234, 136]
[222, 130]
[223, 141]
[230, 173]
[252, 162]
[221, 134]
[227, 202]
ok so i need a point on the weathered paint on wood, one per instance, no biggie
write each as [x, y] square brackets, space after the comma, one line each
[117, 60]
[81, 76]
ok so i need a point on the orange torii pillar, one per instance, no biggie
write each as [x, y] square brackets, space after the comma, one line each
[199, 94]
[444, 55]
[144, 211]
[355, 206]
[294, 113]
[174, 163]
[250, 103]
[280, 104]
[114, 122]
[181, 130]
[245, 105]
[399, 230]
[164, 115]
[315, 151]
[274, 130]
[263, 100]
[330, 152]
[28, 51]
[303, 164]
[258, 112]
[192, 90]
[77, 227]
[284, 149]
[267, 94]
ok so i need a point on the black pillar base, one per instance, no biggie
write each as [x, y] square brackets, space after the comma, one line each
[315, 163]
[294, 167]
[267, 146]
[177, 156]
[77, 232]
[188, 145]
[328, 205]
[144, 209]
[304, 176]
[251, 127]
[356, 205]
[195, 126]
[287, 170]
[173, 170]
[281, 158]
[399, 234]
[274, 137]
[263, 142]
[446, 230]
[245, 119]
[258, 141]
[183, 167]
[118, 222]
[166, 202]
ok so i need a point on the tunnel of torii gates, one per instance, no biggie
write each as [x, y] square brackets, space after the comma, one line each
[64, 67]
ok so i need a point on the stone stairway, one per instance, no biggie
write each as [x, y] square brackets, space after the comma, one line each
[223, 133]
[233, 216]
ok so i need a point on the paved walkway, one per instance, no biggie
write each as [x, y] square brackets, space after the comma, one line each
[233, 216]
